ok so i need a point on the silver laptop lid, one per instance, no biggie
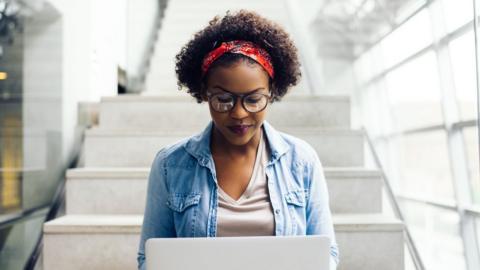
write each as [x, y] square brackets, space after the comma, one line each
[239, 253]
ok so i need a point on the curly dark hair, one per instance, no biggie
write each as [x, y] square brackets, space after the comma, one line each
[241, 25]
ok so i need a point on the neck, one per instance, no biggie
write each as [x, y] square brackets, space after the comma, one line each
[221, 146]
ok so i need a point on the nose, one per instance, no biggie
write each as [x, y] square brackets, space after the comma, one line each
[238, 112]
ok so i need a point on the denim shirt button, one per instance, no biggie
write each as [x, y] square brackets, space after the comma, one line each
[277, 211]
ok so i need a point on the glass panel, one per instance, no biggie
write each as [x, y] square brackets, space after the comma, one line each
[31, 122]
[369, 65]
[31, 126]
[414, 93]
[371, 110]
[409, 38]
[436, 234]
[423, 165]
[462, 53]
[18, 240]
[362, 69]
[457, 13]
[471, 142]
[11, 119]
[376, 110]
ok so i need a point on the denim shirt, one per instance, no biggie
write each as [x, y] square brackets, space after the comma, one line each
[182, 198]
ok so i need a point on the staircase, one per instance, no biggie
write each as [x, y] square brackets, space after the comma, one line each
[105, 199]
[183, 18]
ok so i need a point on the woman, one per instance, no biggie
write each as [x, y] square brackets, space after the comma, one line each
[239, 177]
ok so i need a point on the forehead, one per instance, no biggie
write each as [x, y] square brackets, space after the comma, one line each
[240, 77]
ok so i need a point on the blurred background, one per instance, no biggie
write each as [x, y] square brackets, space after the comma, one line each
[410, 69]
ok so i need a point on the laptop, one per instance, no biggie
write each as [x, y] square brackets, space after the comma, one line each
[239, 253]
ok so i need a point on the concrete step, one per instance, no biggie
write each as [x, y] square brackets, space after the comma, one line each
[137, 148]
[162, 79]
[167, 86]
[176, 28]
[91, 242]
[122, 191]
[183, 11]
[370, 241]
[164, 112]
[196, 7]
[75, 241]
[158, 85]
[182, 20]
[164, 67]
[199, 19]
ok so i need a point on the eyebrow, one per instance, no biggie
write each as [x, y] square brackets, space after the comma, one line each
[225, 90]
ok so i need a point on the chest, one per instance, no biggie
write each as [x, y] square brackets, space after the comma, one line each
[233, 176]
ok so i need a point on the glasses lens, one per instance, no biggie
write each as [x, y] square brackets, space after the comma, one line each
[255, 102]
[222, 102]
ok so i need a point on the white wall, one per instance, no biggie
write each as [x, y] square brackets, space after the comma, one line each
[90, 47]
[72, 52]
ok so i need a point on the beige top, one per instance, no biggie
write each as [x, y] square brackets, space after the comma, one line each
[251, 214]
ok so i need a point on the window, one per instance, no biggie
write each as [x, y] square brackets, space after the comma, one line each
[423, 165]
[462, 53]
[414, 93]
[418, 150]
[457, 13]
[436, 234]
[406, 40]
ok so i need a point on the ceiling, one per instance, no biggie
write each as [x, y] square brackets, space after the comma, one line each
[345, 28]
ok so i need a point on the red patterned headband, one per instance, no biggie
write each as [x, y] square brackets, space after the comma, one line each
[246, 48]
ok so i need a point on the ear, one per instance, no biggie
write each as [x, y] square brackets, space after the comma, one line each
[271, 92]
[271, 98]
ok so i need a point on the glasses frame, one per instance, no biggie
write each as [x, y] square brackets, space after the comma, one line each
[235, 100]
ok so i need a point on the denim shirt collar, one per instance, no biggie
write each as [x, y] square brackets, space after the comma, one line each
[199, 145]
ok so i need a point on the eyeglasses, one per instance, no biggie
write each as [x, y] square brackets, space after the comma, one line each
[225, 101]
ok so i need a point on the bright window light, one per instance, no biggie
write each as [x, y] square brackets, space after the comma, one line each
[414, 93]
[462, 53]
[409, 38]
[457, 13]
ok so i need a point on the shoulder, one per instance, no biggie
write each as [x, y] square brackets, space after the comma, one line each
[300, 150]
[174, 153]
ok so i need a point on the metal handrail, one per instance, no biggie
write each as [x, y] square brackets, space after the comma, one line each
[476, 23]
[54, 207]
[24, 214]
[417, 261]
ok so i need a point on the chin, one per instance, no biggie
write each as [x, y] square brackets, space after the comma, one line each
[239, 140]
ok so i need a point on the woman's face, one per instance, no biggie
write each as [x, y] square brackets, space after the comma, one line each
[238, 126]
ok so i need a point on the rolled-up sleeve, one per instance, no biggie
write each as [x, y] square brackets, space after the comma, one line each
[319, 217]
[157, 220]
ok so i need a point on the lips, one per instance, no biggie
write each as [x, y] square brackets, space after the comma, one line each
[239, 129]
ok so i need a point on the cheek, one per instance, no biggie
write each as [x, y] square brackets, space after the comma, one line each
[260, 117]
[217, 117]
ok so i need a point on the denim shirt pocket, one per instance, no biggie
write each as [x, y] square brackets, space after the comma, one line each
[296, 204]
[185, 209]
